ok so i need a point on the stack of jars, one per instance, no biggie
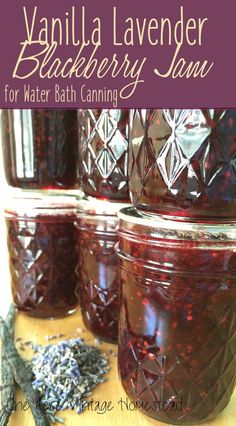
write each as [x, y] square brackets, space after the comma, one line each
[177, 248]
[62, 249]
[103, 169]
[40, 153]
[173, 284]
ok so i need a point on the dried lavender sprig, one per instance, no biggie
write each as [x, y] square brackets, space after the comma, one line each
[23, 376]
[8, 382]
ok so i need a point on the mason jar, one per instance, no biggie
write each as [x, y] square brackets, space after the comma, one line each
[182, 162]
[103, 153]
[98, 266]
[42, 249]
[40, 148]
[177, 331]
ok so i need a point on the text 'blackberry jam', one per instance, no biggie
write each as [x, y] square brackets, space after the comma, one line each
[43, 255]
[103, 153]
[40, 148]
[177, 337]
[183, 162]
[98, 270]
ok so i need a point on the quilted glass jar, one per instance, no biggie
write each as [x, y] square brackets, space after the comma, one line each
[40, 148]
[103, 153]
[183, 162]
[98, 271]
[177, 336]
[42, 255]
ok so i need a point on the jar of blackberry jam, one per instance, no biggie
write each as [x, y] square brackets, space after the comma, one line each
[40, 148]
[98, 271]
[177, 336]
[103, 153]
[43, 255]
[183, 162]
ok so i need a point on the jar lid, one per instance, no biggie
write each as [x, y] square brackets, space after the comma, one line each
[93, 206]
[34, 204]
[155, 226]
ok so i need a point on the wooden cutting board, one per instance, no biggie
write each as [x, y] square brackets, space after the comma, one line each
[38, 330]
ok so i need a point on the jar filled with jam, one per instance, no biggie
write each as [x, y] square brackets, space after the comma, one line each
[183, 162]
[177, 336]
[103, 153]
[42, 254]
[98, 271]
[40, 148]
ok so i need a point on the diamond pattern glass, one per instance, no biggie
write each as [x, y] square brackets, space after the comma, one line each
[182, 162]
[98, 266]
[43, 260]
[99, 284]
[103, 148]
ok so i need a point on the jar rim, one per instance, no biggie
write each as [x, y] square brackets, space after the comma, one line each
[163, 227]
[38, 204]
[92, 206]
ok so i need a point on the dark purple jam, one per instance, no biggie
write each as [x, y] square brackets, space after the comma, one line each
[40, 148]
[103, 153]
[177, 337]
[98, 278]
[183, 162]
[43, 260]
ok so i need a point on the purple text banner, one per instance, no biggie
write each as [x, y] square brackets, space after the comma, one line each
[153, 53]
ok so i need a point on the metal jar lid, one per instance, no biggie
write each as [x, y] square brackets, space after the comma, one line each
[152, 226]
[160, 244]
[94, 206]
[99, 214]
[41, 206]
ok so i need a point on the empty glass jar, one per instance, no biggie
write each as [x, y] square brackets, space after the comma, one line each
[98, 271]
[103, 153]
[42, 254]
[40, 148]
[177, 337]
[183, 162]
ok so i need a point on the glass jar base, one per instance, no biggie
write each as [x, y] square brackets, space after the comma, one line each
[200, 216]
[131, 401]
[49, 315]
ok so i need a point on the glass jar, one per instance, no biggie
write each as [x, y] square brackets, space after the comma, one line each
[183, 162]
[40, 148]
[103, 153]
[98, 266]
[177, 337]
[41, 240]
